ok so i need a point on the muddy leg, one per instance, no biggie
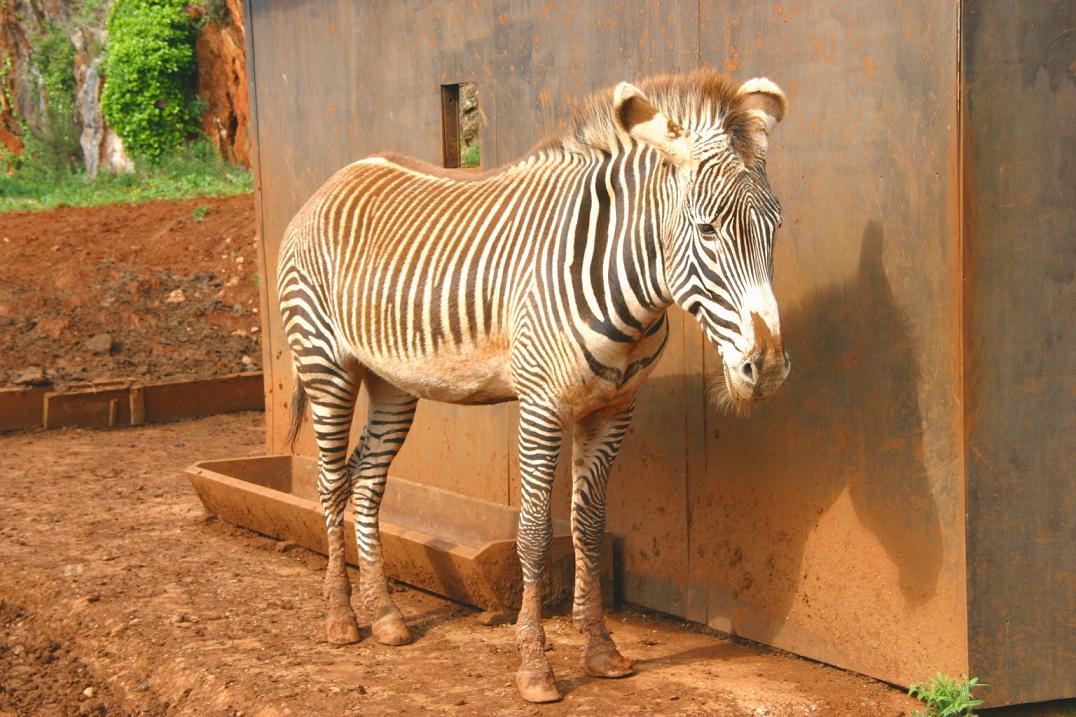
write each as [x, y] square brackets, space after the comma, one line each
[332, 415]
[539, 445]
[391, 413]
[597, 440]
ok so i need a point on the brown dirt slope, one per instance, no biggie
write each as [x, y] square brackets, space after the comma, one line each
[114, 580]
[70, 274]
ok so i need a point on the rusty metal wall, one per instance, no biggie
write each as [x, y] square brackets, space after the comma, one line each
[1020, 347]
[397, 55]
[832, 522]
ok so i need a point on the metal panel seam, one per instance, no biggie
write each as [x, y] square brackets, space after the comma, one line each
[962, 304]
[259, 212]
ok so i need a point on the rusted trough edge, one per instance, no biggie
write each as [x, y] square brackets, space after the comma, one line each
[114, 404]
[253, 493]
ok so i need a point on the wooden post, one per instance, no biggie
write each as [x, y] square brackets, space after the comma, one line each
[137, 397]
[450, 125]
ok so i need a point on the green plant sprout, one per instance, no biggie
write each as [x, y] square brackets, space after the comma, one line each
[470, 156]
[947, 696]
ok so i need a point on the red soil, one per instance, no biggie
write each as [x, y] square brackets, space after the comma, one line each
[70, 274]
[115, 581]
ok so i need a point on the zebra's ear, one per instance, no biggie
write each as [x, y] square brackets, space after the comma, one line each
[766, 102]
[644, 123]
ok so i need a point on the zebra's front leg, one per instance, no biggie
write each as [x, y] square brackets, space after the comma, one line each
[596, 442]
[539, 446]
[390, 416]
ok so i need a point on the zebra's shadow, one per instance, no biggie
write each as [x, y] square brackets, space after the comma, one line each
[848, 420]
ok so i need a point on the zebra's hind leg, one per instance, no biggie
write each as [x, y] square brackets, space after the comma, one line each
[539, 447]
[596, 442]
[332, 395]
[390, 416]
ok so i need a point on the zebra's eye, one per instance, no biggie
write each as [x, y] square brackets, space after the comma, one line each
[707, 230]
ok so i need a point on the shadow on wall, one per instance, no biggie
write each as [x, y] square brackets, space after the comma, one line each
[848, 418]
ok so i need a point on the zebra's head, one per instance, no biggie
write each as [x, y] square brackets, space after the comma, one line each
[718, 242]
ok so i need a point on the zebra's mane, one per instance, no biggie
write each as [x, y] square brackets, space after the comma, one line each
[697, 100]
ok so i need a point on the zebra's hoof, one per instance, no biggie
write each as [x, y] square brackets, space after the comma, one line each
[341, 628]
[391, 629]
[537, 686]
[607, 663]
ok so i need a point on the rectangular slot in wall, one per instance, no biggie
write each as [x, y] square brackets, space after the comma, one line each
[459, 126]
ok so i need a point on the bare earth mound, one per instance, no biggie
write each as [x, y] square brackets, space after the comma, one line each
[115, 581]
[162, 290]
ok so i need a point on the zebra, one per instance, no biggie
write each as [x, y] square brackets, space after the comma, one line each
[546, 281]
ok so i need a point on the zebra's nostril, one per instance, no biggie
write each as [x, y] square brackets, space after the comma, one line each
[752, 370]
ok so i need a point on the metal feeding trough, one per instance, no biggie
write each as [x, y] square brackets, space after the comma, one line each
[460, 547]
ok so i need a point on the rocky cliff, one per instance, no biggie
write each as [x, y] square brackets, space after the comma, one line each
[19, 21]
[222, 79]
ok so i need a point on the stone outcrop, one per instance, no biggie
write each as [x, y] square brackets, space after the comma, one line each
[220, 51]
[469, 114]
[14, 53]
[102, 148]
[21, 98]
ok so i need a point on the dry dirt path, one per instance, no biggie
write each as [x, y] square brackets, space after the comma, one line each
[119, 595]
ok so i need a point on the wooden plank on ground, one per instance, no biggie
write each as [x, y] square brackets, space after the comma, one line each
[21, 408]
[190, 399]
[92, 407]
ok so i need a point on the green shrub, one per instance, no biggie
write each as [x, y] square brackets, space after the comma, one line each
[214, 12]
[150, 74]
[54, 58]
[51, 152]
[51, 149]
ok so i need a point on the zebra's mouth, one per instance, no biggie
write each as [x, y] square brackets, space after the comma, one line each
[728, 397]
[725, 392]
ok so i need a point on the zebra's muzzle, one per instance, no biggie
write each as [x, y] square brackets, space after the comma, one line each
[751, 380]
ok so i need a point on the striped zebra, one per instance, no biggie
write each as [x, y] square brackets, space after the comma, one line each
[546, 281]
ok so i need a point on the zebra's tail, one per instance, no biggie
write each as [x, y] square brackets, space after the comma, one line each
[298, 412]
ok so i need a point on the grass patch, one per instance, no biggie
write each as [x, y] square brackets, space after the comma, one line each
[470, 156]
[195, 171]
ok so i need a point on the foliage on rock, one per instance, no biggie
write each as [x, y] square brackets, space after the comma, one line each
[54, 59]
[52, 148]
[148, 96]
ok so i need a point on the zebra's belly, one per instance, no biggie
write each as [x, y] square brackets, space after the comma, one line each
[480, 375]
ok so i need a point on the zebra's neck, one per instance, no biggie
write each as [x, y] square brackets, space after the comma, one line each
[608, 242]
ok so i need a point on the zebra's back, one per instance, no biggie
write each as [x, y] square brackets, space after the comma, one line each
[419, 276]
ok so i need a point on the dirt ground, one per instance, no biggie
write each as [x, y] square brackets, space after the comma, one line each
[120, 596]
[173, 286]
